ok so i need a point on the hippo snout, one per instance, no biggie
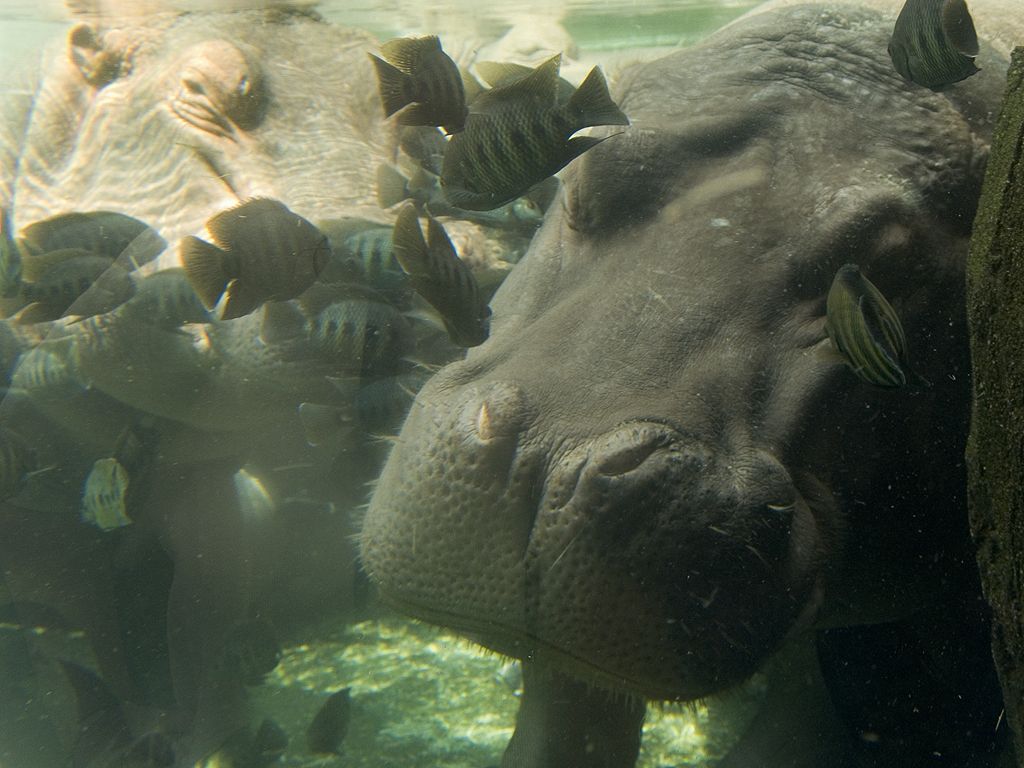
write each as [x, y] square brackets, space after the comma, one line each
[645, 558]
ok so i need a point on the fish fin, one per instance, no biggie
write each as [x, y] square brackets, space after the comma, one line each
[322, 422]
[537, 88]
[410, 247]
[499, 73]
[958, 27]
[594, 104]
[102, 726]
[426, 315]
[416, 115]
[392, 186]
[282, 321]
[347, 386]
[580, 144]
[393, 85]
[471, 87]
[438, 241]
[241, 300]
[36, 312]
[408, 53]
[206, 268]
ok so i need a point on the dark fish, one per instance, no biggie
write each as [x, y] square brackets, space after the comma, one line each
[328, 729]
[934, 43]
[419, 73]
[424, 189]
[271, 741]
[166, 299]
[374, 252]
[10, 258]
[261, 252]
[103, 730]
[518, 135]
[365, 336]
[104, 233]
[424, 144]
[251, 651]
[381, 405]
[17, 462]
[154, 750]
[441, 278]
[78, 283]
[865, 330]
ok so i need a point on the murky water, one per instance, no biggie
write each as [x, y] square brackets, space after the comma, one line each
[187, 461]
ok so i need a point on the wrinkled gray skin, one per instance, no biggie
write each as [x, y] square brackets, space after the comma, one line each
[655, 470]
[172, 119]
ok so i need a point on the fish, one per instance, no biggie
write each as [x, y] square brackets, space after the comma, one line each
[424, 189]
[261, 251]
[934, 43]
[117, 236]
[166, 299]
[48, 367]
[10, 258]
[104, 497]
[251, 651]
[418, 80]
[865, 330]
[330, 725]
[79, 282]
[364, 335]
[374, 252]
[17, 462]
[425, 144]
[116, 484]
[441, 277]
[518, 135]
[270, 741]
[381, 405]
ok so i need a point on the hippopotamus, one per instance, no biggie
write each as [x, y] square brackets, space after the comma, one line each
[172, 118]
[656, 474]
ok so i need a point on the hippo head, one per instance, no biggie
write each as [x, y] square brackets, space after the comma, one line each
[656, 467]
[173, 117]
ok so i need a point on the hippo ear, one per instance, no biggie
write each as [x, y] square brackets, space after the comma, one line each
[98, 64]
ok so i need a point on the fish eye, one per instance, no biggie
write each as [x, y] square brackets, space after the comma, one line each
[244, 86]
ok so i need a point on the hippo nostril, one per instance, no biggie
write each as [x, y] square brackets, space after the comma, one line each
[626, 459]
[192, 86]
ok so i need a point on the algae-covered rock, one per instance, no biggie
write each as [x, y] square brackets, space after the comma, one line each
[995, 451]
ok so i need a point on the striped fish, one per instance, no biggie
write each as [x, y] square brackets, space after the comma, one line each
[420, 79]
[865, 330]
[520, 134]
[934, 43]
[438, 275]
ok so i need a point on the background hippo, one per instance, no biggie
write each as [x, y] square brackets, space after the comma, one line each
[655, 472]
[171, 119]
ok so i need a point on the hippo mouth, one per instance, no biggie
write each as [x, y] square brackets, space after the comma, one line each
[642, 559]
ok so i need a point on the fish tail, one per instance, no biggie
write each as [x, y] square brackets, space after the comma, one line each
[409, 246]
[392, 84]
[392, 186]
[206, 267]
[594, 104]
